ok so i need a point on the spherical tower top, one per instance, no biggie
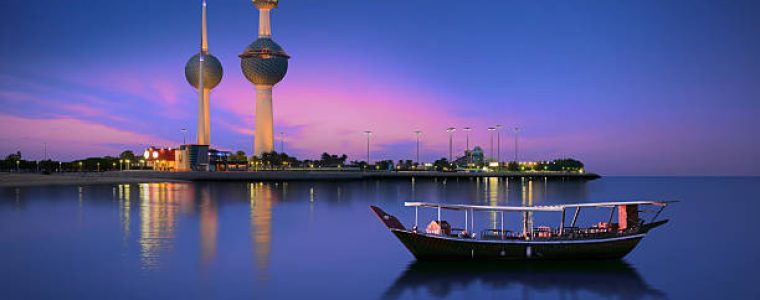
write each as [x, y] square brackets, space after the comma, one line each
[212, 71]
[265, 4]
[264, 62]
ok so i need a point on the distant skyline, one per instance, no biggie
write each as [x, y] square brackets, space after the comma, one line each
[627, 87]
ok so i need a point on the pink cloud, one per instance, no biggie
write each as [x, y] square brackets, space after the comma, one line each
[69, 138]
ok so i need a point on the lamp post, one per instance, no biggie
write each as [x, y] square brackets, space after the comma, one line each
[418, 133]
[127, 162]
[517, 131]
[450, 131]
[467, 134]
[498, 146]
[184, 136]
[80, 166]
[17, 165]
[491, 129]
[368, 133]
[121, 165]
[98, 166]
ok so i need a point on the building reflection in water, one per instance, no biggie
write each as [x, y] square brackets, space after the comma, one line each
[262, 198]
[124, 196]
[209, 220]
[158, 213]
[527, 200]
[492, 198]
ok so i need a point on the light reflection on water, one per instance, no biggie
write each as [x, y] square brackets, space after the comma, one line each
[233, 240]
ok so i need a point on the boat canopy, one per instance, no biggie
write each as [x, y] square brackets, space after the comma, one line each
[556, 208]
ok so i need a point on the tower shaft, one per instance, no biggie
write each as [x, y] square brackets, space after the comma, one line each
[204, 122]
[265, 28]
[264, 131]
[204, 34]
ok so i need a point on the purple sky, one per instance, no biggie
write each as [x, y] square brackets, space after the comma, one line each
[628, 87]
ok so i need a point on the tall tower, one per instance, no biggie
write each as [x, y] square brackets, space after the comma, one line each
[264, 64]
[211, 70]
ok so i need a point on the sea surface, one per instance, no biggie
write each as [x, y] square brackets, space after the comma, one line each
[296, 240]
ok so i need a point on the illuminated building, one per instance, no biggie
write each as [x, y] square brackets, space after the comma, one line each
[161, 159]
[264, 63]
[210, 68]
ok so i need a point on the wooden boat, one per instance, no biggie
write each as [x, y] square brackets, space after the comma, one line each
[604, 240]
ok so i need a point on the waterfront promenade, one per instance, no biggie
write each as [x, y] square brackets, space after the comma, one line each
[14, 179]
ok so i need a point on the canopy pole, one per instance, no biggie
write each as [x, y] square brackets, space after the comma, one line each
[416, 216]
[525, 224]
[439, 215]
[502, 224]
[472, 220]
[465, 220]
[562, 223]
[575, 216]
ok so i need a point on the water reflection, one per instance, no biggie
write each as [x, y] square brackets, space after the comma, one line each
[262, 197]
[208, 224]
[609, 279]
[124, 196]
[158, 209]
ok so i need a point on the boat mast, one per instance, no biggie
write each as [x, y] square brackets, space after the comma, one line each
[612, 213]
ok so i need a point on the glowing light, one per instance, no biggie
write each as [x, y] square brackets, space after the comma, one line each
[155, 154]
[146, 154]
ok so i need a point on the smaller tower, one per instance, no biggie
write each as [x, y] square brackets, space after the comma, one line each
[203, 71]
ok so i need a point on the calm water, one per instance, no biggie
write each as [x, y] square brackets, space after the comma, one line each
[319, 239]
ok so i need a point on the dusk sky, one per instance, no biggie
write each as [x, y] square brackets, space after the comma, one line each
[627, 87]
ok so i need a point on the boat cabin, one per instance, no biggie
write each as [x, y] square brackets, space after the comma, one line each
[629, 221]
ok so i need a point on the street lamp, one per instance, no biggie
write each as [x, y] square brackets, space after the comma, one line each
[17, 165]
[491, 129]
[98, 166]
[80, 166]
[498, 146]
[418, 133]
[184, 136]
[450, 131]
[121, 165]
[517, 131]
[467, 134]
[127, 163]
[368, 133]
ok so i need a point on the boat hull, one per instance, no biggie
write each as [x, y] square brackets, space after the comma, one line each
[432, 247]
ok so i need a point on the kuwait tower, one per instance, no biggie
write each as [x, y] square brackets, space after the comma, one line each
[264, 64]
[204, 72]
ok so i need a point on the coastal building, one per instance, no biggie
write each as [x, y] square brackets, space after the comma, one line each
[474, 157]
[203, 72]
[264, 63]
[161, 159]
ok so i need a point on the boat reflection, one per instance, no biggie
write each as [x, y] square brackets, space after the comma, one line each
[609, 279]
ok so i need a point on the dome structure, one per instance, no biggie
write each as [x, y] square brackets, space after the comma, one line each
[264, 62]
[212, 71]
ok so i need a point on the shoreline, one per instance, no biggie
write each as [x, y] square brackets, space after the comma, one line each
[139, 176]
